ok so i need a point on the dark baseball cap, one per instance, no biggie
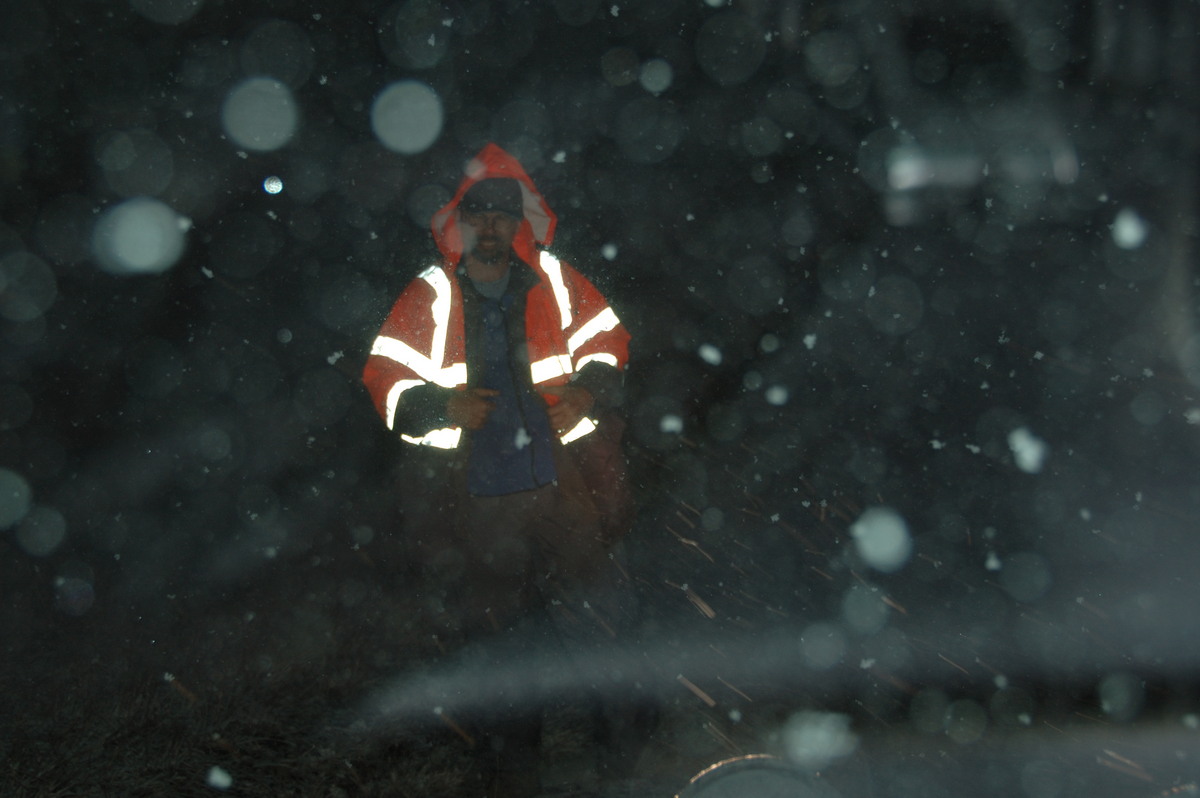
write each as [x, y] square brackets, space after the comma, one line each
[501, 194]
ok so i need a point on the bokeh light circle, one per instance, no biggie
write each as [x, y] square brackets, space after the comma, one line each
[16, 498]
[656, 75]
[730, 48]
[649, 130]
[139, 236]
[619, 66]
[27, 287]
[882, 539]
[74, 596]
[42, 531]
[260, 114]
[407, 117]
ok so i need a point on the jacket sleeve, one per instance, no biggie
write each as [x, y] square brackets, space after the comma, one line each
[597, 341]
[605, 383]
[406, 384]
[421, 410]
[594, 334]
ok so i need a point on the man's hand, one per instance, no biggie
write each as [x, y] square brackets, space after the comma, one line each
[573, 404]
[470, 409]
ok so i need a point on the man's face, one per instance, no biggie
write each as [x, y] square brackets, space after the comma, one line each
[489, 234]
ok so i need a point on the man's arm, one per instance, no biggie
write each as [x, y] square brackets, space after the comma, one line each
[429, 407]
[598, 342]
[604, 382]
[422, 409]
[597, 387]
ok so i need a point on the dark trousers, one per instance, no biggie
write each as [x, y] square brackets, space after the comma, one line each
[539, 606]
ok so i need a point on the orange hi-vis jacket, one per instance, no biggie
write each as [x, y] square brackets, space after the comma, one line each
[568, 323]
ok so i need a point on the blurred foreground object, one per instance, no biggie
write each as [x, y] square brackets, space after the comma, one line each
[756, 775]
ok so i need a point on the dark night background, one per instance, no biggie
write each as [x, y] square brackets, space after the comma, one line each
[931, 261]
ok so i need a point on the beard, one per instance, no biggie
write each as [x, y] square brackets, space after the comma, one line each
[491, 253]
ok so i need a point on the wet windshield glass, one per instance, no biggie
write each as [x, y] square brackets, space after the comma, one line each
[867, 331]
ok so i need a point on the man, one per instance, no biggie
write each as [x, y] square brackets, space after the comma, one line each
[503, 358]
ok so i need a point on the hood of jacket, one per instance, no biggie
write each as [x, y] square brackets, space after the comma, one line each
[537, 228]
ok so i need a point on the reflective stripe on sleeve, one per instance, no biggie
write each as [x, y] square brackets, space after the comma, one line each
[445, 438]
[440, 310]
[396, 350]
[603, 321]
[393, 398]
[603, 357]
[585, 426]
[549, 368]
[553, 270]
[427, 366]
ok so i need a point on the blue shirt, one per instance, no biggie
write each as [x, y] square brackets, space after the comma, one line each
[513, 451]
